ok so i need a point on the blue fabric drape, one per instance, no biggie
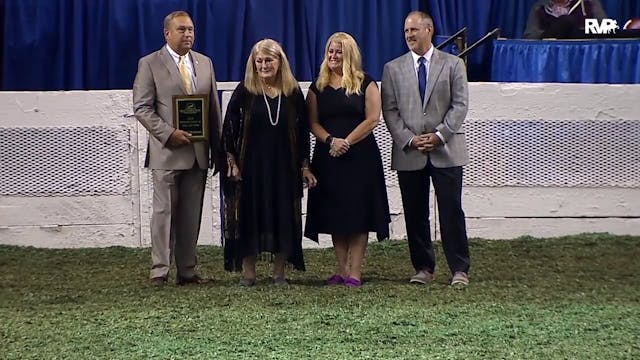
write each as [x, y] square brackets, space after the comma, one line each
[622, 10]
[604, 61]
[95, 44]
[377, 26]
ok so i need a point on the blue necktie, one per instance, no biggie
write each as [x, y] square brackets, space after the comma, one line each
[422, 77]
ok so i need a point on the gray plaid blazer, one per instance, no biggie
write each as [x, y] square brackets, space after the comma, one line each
[444, 109]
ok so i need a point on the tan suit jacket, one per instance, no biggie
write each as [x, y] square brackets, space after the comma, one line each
[157, 80]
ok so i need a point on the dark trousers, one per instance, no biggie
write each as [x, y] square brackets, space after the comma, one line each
[414, 187]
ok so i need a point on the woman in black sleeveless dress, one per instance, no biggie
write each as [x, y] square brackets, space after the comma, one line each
[350, 199]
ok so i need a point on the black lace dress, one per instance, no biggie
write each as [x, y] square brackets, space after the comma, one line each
[262, 211]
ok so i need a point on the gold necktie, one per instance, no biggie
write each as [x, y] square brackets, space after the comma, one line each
[184, 73]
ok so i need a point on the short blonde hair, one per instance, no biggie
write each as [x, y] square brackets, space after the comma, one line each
[284, 78]
[352, 73]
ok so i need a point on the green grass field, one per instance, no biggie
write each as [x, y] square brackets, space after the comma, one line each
[564, 298]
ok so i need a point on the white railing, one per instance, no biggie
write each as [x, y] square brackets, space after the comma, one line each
[546, 160]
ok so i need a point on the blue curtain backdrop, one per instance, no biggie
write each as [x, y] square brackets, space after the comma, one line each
[95, 44]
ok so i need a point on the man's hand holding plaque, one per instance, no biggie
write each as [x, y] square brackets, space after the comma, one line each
[191, 116]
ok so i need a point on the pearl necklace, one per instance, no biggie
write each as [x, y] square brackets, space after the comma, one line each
[274, 123]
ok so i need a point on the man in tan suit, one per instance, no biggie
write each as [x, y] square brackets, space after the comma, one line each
[424, 101]
[178, 164]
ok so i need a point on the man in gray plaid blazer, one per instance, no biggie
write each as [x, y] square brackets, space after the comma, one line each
[424, 101]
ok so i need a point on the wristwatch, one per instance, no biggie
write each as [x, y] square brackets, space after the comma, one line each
[328, 139]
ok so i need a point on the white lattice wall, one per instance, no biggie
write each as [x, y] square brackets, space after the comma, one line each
[546, 160]
[65, 161]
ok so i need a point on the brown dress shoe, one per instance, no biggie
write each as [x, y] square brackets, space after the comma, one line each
[247, 282]
[280, 281]
[195, 280]
[158, 281]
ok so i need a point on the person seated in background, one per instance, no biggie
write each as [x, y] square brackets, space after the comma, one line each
[632, 24]
[561, 19]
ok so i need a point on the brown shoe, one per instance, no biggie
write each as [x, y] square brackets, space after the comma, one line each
[423, 277]
[460, 279]
[247, 282]
[158, 281]
[195, 280]
[280, 281]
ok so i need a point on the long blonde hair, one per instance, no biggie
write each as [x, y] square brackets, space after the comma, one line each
[352, 73]
[285, 80]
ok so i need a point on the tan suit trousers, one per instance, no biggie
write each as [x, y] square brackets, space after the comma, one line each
[175, 221]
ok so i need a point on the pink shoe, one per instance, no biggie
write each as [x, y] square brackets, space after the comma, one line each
[352, 282]
[335, 279]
